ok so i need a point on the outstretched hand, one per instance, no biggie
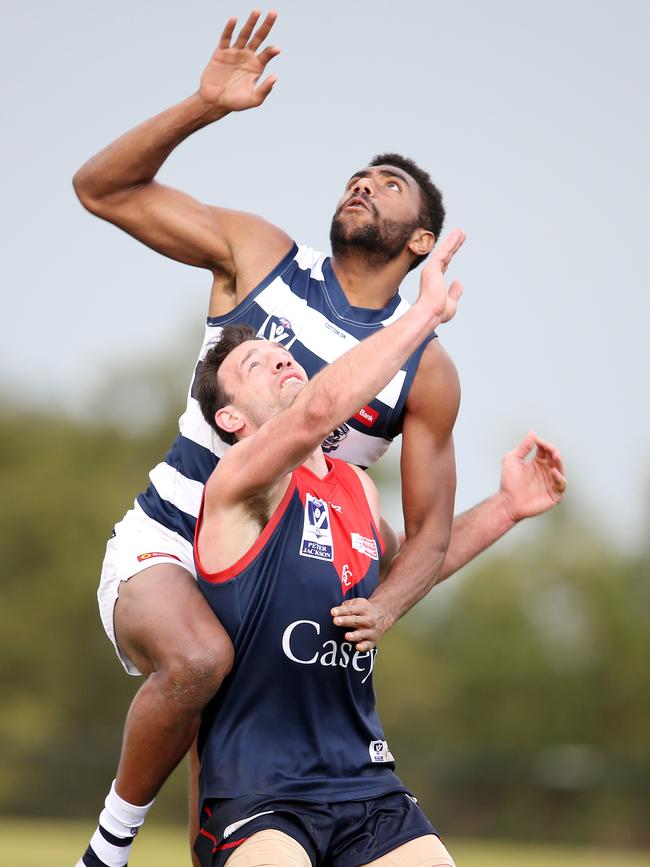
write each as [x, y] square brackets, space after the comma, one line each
[531, 487]
[432, 279]
[230, 81]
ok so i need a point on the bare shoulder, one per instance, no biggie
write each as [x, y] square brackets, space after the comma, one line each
[256, 247]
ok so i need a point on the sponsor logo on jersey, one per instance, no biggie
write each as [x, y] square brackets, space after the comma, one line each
[367, 415]
[335, 439]
[278, 329]
[151, 554]
[379, 752]
[300, 644]
[364, 545]
[316, 538]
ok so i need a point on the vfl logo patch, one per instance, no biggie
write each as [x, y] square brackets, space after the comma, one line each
[151, 554]
[278, 329]
[316, 539]
[379, 752]
[367, 415]
[364, 545]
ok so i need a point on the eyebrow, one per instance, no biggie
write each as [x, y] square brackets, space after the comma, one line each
[247, 356]
[391, 173]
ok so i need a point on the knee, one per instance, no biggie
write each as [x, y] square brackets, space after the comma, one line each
[191, 675]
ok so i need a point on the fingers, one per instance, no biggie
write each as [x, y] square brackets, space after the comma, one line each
[448, 247]
[364, 646]
[349, 618]
[268, 54]
[456, 291]
[263, 89]
[526, 446]
[246, 33]
[228, 31]
[453, 296]
[247, 29]
[559, 481]
[551, 454]
[263, 31]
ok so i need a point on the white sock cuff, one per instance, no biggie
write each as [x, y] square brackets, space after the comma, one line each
[129, 815]
[112, 856]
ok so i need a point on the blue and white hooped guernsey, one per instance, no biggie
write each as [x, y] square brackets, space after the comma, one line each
[300, 304]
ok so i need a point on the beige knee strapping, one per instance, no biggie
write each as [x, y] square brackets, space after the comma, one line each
[269, 848]
[426, 851]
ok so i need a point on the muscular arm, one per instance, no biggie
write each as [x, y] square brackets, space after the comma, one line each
[118, 184]
[532, 481]
[428, 486]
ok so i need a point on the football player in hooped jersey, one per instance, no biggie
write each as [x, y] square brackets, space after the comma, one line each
[293, 757]
[385, 223]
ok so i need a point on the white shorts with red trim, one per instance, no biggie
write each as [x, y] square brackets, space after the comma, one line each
[138, 543]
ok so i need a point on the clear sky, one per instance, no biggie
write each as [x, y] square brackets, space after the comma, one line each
[532, 118]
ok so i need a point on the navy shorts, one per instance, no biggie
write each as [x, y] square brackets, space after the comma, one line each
[343, 834]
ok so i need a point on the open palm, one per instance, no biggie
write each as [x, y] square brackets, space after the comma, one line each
[231, 80]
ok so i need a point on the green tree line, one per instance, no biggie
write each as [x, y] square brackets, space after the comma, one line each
[516, 698]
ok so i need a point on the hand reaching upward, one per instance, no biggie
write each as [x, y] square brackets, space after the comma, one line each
[432, 279]
[231, 80]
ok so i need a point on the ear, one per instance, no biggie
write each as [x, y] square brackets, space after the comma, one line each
[229, 419]
[421, 243]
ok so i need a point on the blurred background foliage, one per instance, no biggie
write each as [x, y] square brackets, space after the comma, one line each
[516, 696]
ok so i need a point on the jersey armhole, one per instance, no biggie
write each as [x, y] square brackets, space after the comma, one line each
[246, 559]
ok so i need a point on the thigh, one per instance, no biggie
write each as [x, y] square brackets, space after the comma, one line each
[270, 848]
[428, 851]
[161, 618]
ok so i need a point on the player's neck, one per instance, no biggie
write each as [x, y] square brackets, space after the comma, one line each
[317, 464]
[366, 284]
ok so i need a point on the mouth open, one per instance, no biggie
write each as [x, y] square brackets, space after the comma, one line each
[292, 378]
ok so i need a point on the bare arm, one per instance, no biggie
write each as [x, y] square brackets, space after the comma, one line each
[118, 184]
[529, 486]
[427, 496]
[532, 481]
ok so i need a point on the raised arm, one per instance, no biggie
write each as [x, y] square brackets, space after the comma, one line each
[118, 184]
[428, 473]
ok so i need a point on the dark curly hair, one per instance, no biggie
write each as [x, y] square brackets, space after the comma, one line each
[207, 389]
[432, 210]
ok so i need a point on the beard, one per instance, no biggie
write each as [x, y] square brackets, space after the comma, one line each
[377, 242]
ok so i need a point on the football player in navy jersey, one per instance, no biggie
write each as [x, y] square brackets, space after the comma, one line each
[386, 221]
[293, 756]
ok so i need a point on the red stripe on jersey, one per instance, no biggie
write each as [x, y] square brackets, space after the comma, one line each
[231, 845]
[244, 561]
[208, 835]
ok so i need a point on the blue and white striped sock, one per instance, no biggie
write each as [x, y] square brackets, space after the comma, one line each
[119, 822]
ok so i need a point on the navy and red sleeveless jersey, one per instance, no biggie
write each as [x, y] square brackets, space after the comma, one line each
[296, 717]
